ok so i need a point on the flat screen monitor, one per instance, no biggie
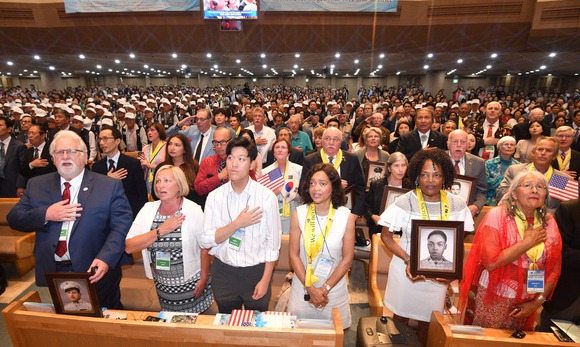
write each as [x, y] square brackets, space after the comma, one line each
[230, 9]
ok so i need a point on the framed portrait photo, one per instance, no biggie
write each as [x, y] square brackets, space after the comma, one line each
[349, 196]
[72, 293]
[377, 171]
[463, 186]
[437, 249]
[389, 196]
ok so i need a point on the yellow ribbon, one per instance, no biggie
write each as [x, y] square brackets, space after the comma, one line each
[337, 161]
[548, 173]
[445, 207]
[312, 244]
[535, 252]
[152, 154]
[562, 164]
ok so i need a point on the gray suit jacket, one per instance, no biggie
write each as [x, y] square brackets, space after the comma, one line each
[193, 134]
[512, 172]
[475, 167]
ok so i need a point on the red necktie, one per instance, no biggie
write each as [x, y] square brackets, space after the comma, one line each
[456, 167]
[61, 246]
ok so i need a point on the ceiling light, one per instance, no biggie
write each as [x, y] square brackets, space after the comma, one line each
[488, 67]
[356, 61]
[263, 55]
[425, 66]
[297, 55]
[82, 56]
[110, 70]
[337, 55]
[238, 61]
[543, 67]
[183, 66]
[146, 66]
[174, 55]
[215, 66]
[99, 66]
[430, 55]
[131, 55]
[494, 55]
[9, 63]
[382, 55]
[87, 71]
[34, 71]
[332, 66]
[549, 74]
[380, 67]
[552, 55]
[398, 73]
[117, 61]
[295, 66]
[37, 57]
[51, 68]
[459, 61]
[264, 66]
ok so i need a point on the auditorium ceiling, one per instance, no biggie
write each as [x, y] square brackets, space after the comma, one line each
[528, 37]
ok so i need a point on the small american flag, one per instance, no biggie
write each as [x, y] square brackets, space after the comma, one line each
[272, 180]
[563, 188]
[241, 318]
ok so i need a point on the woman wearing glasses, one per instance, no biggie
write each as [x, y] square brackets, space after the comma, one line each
[515, 260]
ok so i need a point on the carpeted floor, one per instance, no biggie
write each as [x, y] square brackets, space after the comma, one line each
[357, 292]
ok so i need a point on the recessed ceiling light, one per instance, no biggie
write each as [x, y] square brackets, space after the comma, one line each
[543, 67]
[356, 61]
[295, 66]
[337, 55]
[51, 68]
[382, 55]
[34, 71]
[208, 55]
[430, 55]
[37, 57]
[183, 66]
[9, 63]
[552, 55]
[215, 66]
[488, 67]
[459, 61]
[131, 55]
[81, 56]
[398, 73]
[110, 70]
[174, 55]
[238, 61]
[494, 55]
[549, 74]
[87, 71]
[264, 66]
[297, 55]
[332, 66]
[99, 66]
[425, 66]
[263, 55]
[117, 61]
[380, 67]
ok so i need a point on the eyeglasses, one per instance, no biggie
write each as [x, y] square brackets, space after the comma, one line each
[221, 143]
[70, 152]
[332, 139]
[200, 119]
[565, 136]
[530, 186]
[105, 138]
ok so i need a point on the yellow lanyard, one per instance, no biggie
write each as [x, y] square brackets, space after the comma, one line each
[535, 252]
[563, 163]
[312, 244]
[337, 161]
[548, 173]
[285, 204]
[445, 209]
[152, 154]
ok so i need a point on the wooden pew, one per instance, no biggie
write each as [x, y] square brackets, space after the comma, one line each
[15, 246]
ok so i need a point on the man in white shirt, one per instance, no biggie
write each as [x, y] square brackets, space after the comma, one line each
[264, 136]
[242, 228]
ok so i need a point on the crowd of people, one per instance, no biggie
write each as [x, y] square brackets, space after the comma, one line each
[225, 171]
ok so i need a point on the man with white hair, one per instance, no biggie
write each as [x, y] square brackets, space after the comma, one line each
[345, 163]
[264, 135]
[567, 160]
[489, 132]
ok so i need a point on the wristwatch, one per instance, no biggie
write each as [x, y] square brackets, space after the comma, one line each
[541, 298]
[407, 260]
[326, 288]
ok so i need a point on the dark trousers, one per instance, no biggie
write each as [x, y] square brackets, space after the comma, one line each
[108, 290]
[234, 286]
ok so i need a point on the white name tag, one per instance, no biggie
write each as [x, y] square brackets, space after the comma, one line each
[323, 267]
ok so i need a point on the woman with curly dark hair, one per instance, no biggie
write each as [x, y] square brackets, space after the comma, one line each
[407, 296]
[321, 247]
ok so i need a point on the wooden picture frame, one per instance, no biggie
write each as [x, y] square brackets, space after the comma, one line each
[349, 196]
[463, 186]
[377, 171]
[62, 286]
[389, 196]
[437, 249]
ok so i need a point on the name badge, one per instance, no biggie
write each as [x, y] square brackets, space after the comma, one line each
[490, 150]
[163, 260]
[323, 267]
[235, 241]
[535, 281]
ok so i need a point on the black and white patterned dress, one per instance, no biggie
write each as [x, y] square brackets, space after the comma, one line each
[176, 294]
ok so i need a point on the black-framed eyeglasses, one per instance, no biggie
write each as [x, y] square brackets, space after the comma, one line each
[221, 143]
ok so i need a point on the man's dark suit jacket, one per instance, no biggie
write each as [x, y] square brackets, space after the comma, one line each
[133, 184]
[14, 155]
[568, 287]
[410, 143]
[522, 131]
[574, 163]
[25, 169]
[350, 171]
[296, 156]
[100, 232]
